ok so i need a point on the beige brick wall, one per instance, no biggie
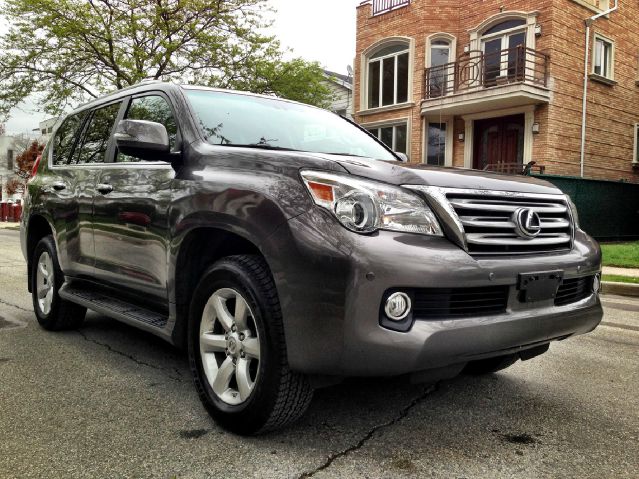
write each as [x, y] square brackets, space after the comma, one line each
[612, 110]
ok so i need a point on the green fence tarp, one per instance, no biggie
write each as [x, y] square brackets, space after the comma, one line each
[608, 210]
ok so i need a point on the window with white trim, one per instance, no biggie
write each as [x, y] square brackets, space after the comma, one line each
[388, 71]
[393, 136]
[439, 72]
[635, 156]
[603, 57]
[436, 144]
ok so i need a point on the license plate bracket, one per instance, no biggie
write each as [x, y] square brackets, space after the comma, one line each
[540, 286]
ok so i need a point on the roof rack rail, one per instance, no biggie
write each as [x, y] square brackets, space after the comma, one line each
[150, 81]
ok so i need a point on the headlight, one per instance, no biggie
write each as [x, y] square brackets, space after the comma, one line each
[573, 210]
[367, 206]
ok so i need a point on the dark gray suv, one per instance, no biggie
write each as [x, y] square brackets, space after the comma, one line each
[286, 248]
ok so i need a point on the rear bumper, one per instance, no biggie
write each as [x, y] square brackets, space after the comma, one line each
[331, 283]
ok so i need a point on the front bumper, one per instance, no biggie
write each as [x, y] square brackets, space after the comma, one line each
[331, 283]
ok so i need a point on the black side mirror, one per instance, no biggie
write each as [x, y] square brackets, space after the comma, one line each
[142, 139]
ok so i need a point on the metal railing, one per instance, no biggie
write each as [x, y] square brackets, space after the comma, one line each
[476, 70]
[383, 6]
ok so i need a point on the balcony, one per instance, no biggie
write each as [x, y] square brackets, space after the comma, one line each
[480, 81]
[384, 6]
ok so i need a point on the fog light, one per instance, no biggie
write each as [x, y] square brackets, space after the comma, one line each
[397, 306]
[596, 284]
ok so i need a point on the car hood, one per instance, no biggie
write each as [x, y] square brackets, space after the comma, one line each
[419, 174]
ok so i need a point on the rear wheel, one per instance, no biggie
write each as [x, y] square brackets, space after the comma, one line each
[237, 349]
[53, 312]
[490, 365]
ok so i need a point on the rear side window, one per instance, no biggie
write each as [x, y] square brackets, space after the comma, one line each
[151, 108]
[96, 136]
[65, 139]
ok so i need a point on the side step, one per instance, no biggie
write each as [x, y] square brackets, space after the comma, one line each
[117, 309]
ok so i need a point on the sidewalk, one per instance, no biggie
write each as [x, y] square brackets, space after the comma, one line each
[633, 273]
[9, 225]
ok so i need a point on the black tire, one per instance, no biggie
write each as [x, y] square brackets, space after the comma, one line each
[279, 396]
[62, 315]
[490, 365]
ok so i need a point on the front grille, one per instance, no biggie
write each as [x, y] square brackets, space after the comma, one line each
[490, 229]
[573, 290]
[438, 303]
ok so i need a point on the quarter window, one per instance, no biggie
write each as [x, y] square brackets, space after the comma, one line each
[388, 76]
[97, 135]
[393, 136]
[65, 138]
[152, 108]
[603, 61]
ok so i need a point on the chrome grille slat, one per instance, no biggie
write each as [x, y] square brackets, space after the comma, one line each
[489, 223]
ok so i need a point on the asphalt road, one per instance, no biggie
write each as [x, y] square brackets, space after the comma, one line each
[110, 401]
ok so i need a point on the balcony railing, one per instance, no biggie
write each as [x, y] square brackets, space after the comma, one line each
[476, 70]
[383, 6]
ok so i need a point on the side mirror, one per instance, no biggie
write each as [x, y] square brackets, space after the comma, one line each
[401, 156]
[142, 139]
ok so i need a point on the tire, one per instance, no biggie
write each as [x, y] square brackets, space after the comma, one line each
[490, 365]
[256, 392]
[53, 312]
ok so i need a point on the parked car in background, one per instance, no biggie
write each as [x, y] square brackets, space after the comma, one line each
[286, 248]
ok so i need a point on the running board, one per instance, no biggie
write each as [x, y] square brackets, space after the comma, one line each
[117, 309]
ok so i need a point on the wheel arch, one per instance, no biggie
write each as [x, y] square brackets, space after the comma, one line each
[197, 251]
[37, 228]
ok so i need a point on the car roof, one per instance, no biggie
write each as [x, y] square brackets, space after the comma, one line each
[156, 85]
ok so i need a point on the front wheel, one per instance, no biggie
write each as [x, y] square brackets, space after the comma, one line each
[237, 349]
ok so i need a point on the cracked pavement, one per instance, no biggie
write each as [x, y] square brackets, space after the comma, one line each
[112, 401]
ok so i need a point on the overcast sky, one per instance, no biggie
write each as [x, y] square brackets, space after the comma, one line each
[321, 30]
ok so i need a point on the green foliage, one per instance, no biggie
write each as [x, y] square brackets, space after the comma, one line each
[69, 51]
[623, 255]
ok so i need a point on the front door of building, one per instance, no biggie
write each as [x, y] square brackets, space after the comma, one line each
[499, 143]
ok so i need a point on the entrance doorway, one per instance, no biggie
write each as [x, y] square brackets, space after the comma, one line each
[499, 144]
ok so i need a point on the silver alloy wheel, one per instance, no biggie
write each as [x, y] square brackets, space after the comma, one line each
[229, 346]
[45, 282]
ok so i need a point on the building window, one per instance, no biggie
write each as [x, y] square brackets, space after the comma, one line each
[436, 147]
[603, 62]
[439, 71]
[388, 72]
[10, 160]
[635, 156]
[393, 136]
[503, 46]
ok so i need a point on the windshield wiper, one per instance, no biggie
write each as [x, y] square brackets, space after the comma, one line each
[346, 154]
[260, 146]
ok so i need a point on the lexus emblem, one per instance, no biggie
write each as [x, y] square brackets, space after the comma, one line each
[527, 223]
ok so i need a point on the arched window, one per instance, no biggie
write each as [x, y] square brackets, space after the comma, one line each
[388, 72]
[504, 49]
[441, 52]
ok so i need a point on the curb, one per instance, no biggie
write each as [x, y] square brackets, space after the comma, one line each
[621, 289]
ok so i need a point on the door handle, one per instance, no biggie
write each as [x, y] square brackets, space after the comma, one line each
[59, 186]
[105, 189]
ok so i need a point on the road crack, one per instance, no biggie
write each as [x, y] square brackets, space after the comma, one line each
[166, 371]
[6, 303]
[371, 432]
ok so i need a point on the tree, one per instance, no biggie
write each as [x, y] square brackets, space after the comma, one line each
[69, 51]
[25, 160]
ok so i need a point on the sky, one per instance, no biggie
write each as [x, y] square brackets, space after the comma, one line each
[318, 30]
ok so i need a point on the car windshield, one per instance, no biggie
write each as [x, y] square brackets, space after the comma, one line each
[232, 119]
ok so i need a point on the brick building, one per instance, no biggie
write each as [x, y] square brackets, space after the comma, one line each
[493, 84]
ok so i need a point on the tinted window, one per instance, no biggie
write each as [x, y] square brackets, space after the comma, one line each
[152, 108]
[96, 136]
[65, 139]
